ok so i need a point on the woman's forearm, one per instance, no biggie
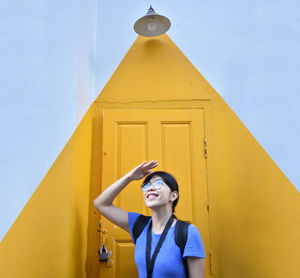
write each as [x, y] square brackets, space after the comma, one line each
[109, 194]
[103, 202]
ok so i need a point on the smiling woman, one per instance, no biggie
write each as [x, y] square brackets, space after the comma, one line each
[156, 181]
[173, 248]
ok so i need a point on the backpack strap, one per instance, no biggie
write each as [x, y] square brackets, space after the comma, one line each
[181, 235]
[139, 225]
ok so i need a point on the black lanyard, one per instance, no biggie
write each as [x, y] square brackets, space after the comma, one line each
[150, 262]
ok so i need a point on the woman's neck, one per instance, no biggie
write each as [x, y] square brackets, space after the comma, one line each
[160, 218]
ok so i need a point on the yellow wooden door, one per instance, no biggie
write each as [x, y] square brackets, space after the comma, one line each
[175, 138]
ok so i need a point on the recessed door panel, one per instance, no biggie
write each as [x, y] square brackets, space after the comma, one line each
[131, 144]
[125, 253]
[176, 157]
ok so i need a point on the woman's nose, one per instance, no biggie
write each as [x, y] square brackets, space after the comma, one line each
[151, 188]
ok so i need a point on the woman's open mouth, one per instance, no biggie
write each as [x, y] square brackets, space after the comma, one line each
[152, 195]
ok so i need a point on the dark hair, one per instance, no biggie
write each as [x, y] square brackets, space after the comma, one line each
[169, 180]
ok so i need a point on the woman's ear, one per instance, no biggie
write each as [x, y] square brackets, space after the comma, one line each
[174, 196]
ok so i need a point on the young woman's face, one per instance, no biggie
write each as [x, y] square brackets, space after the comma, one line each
[157, 193]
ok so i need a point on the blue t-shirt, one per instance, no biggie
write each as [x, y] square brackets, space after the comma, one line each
[168, 262]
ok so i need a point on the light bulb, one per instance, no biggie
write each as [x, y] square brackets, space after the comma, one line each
[151, 26]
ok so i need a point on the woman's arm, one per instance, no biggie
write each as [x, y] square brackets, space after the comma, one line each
[196, 267]
[104, 201]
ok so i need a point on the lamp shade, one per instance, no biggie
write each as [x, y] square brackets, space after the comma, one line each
[152, 24]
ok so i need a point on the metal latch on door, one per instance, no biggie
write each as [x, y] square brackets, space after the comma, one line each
[103, 254]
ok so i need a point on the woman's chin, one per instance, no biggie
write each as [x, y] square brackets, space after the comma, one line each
[151, 204]
[154, 205]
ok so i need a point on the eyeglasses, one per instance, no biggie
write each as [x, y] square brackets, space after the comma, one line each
[157, 184]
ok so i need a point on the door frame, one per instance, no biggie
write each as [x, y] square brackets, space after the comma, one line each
[96, 175]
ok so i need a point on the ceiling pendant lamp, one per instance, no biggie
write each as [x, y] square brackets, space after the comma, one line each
[152, 24]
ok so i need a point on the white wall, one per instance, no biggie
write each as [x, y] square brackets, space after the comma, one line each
[38, 80]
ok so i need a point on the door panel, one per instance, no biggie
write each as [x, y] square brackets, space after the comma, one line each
[175, 139]
[176, 156]
[125, 253]
[131, 147]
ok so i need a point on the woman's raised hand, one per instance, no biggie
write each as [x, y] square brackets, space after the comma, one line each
[142, 170]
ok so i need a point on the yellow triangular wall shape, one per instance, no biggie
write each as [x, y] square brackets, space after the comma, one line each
[254, 209]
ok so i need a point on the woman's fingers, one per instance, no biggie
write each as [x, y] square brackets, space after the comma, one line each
[146, 166]
[143, 169]
[140, 167]
[150, 165]
[148, 172]
[142, 164]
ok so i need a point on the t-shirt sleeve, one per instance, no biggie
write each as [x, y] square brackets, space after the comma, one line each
[132, 217]
[194, 246]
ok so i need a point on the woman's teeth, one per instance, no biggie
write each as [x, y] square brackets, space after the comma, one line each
[152, 196]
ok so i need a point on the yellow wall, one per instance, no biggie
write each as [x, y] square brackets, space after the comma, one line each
[254, 209]
[49, 237]
[37, 244]
[257, 209]
[81, 203]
